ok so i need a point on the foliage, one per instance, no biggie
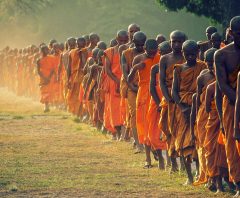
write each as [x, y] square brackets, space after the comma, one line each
[220, 11]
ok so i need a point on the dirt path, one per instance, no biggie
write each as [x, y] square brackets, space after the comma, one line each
[51, 155]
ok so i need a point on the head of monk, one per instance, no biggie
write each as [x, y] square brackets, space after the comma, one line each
[160, 38]
[102, 45]
[100, 56]
[209, 31]
[51, 42]
[235, 30]
[87, 39]
[56, 48]
[209, 58]
[139, 39]
[177, 38]
[216, 40]
[95, 53]
[132, 28]
[113, 42]
[81, 42]
[71, 43]
[61, 45]
[94, 39]
[228, 37]
[164, 48]
[44, 50]
[190, 52]
[151, 48]
[122, 37]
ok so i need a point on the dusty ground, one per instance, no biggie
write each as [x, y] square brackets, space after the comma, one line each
[52, 155]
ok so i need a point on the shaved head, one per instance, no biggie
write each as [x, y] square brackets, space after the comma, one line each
[95, 52]
[122, 37]
[190, 45]
[71, 42]
[209, 31]
[160, 38]
[165, 47]
[133, 26]
[216, 40]
[178, 34]
[81, 42]
[151, 48]
[235, 23]
[102, 45]
[94, 38]
[139, 36]
[113, 42]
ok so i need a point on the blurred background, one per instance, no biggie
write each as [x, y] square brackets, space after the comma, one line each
[25, 22]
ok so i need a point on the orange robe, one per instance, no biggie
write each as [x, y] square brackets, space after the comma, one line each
[143, 99]
[187, 87]
[56, 89]
[115, 98]
[131, 95]
[201, 121]
[46, 67]
[106, 90]
[215, 153]
[167, 123]
[154, 133]
[75, 81]
[233, 157]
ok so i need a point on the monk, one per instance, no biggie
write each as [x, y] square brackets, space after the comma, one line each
[113, 42]
[216, 40]
[237, 116]
[227, 68]
[205, 78]
[77, 59]
[167, 116]
[94, 39]
[113, 70]
[101, 45]
[143, 64]
[87, 39]
[160, 38]
[132, 29]
[46, 71]
[62, 68]
[58, 100]
[139, 39]
[50, 45]
[92, 85]
[204, 46]
[154, 133]
[184, 86]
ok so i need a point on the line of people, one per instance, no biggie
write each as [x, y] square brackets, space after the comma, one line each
[175, 95]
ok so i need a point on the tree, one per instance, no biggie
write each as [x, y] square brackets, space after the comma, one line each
[218, 11]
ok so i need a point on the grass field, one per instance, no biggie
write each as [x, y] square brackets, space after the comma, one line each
[52, 155]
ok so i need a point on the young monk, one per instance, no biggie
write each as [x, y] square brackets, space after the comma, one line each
[45, 68]
[128, 55]
[216, 40]
[237, 116]
[227, 68]
[90, 84]
[153, 115]
[167, 116]
[113, 70]
[143, 64]
[87, 39]
[204, 46]
[62, 68]
[101, 45]
[77, 59]
[113, 42]
[160, 38]
[184, 86]
[132, 29]
[205, 78]
[94, 39]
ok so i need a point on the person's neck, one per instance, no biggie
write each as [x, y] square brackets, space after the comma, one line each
[177, 53]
